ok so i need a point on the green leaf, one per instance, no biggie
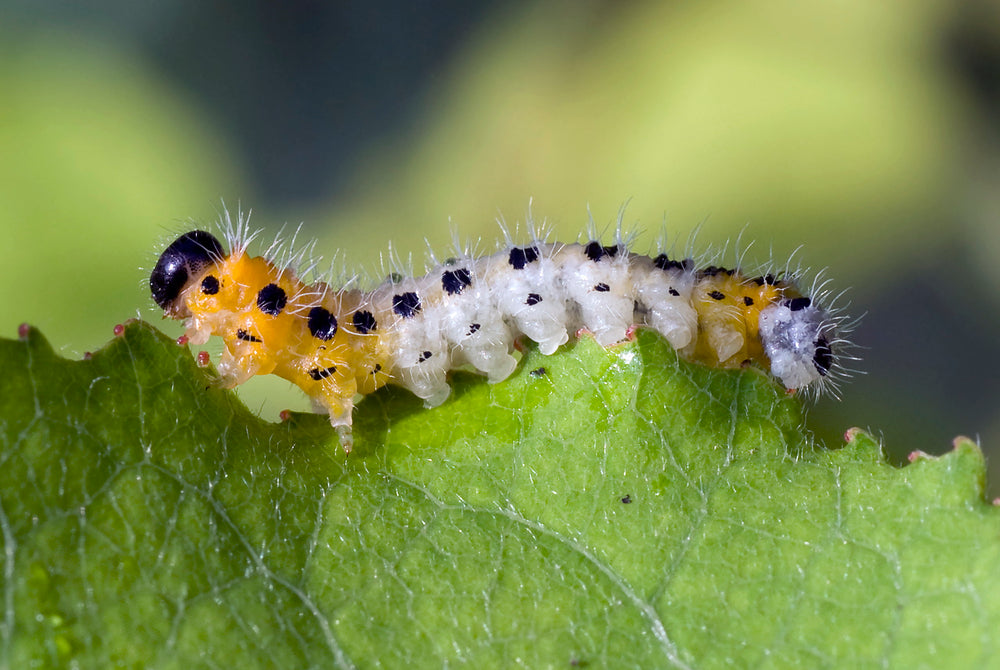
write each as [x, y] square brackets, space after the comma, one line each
[603, 507]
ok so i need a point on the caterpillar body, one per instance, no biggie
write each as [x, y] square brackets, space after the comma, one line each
[336, 343]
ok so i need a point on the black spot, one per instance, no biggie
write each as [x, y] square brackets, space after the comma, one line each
[538, 372]
[713, 271]
[748, 301]
[627, 499]
[364, 321]
[796, 304]
[717, 295]
[533, 299]
[424, 356]
[245, 336]
[186, 257]
[406, 304]
[322, 373]
[596, 252]
[210, 285]
[823, 358]
[673, 291]
[322, 324]
[272, 299]
[377, 369]
[520, 257]
[665, 263]
[453, 281]
[602, 288]
[474, 328]
[767, 279]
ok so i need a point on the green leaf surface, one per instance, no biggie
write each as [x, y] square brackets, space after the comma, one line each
[601, 508]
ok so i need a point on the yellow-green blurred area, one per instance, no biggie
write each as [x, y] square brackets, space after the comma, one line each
[864, 133]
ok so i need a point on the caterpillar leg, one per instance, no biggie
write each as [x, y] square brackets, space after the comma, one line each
[341, 413]
[346, 438]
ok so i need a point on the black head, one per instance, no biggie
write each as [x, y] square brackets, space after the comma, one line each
[187, 256]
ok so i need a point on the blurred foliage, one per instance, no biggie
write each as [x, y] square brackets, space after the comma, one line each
[100, 162]
[813, 128]
[852, 131]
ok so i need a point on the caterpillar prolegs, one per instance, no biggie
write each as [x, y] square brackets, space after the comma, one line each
[338, 342]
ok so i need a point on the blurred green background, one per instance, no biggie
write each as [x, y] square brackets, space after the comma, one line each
[866, 133]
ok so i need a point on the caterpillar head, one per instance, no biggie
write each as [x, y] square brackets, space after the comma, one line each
[184, 260]
[797, 336]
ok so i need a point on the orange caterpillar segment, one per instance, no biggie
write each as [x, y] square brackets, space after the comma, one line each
[272, 323]
[728, 307]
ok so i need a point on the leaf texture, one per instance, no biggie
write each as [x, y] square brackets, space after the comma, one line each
[602, 507]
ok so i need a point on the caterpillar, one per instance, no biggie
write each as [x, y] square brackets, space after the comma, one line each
[338, 343]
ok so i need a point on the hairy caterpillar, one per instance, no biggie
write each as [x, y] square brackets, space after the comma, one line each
[336, 343]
